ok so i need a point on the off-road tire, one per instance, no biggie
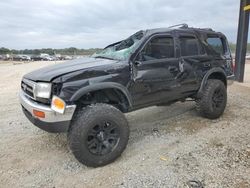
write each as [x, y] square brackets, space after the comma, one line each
[206, 103]
[86, 123]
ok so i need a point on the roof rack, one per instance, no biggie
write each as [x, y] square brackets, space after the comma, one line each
[183, 25]
[209, 29]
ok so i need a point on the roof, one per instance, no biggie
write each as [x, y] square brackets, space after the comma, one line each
[182, 28]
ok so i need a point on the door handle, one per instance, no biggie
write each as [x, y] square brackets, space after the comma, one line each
[173, 69]
[207, 65]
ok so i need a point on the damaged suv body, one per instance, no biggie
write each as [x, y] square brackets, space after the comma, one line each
[87, 97]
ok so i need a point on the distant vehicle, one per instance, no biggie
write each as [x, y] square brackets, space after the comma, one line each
[43, 57]
[53, 58]
[87, 97]
[248, 57]
[66, 57]
[36, 58]
[21, 58]
[6, 57]
[58, 56]
[47, 58]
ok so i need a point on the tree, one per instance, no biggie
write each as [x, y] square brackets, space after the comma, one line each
[4, 50]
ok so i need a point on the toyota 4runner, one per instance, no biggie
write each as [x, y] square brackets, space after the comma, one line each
[87, 97]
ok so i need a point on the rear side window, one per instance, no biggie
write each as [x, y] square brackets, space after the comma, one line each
[216, 44]
[159, 48]
[189, 46]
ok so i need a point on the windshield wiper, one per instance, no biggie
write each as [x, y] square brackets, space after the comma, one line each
[103, 57]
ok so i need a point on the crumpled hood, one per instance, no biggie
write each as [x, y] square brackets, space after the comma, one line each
[48, 73]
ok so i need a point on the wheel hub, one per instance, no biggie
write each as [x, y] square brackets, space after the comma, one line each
[217, 98]
[103, 138]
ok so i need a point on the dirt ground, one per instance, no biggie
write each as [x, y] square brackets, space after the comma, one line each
[168, 146]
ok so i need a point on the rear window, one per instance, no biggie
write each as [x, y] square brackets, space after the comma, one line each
[216, 44]
[189, 46]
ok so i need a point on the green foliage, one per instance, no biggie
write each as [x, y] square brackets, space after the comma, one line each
[74, 51]
[233, 47]
[50, 51]
[4, 51]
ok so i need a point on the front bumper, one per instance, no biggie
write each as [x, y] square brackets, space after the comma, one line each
[53, 121]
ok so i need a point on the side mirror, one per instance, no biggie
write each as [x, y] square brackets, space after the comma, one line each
[140, 56]
[137, 63]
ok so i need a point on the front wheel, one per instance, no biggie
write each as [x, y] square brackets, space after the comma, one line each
[98, 135]
[213, 100]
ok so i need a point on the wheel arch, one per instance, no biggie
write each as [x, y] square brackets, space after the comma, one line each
[119, 89]
[215, 73]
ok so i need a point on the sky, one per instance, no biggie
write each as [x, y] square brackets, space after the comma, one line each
[29, 24]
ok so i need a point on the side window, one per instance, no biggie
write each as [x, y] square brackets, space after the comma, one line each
[216, 44]
[189, 46]
[159, 48]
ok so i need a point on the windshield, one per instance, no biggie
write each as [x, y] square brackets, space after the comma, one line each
[120, 50]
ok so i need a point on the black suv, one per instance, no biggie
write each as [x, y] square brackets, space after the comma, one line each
[87, 97]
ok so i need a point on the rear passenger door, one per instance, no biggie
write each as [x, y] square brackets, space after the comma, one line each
[191, 58]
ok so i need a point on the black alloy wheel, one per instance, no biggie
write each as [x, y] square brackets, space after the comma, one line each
[103, 138]
[217, 98]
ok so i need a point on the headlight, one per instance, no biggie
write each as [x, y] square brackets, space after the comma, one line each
[58, 105]
[42, 90]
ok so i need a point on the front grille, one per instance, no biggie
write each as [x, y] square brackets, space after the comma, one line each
[27, 87]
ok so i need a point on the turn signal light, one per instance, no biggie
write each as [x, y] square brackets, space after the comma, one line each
[39, 114]
[58, 105]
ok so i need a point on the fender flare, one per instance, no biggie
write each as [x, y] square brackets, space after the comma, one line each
[205, 78]
[99, 86]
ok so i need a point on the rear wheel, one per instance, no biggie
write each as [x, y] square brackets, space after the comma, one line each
[213, 100]
[98, 135]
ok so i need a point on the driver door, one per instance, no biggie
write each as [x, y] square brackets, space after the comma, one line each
[154, 71]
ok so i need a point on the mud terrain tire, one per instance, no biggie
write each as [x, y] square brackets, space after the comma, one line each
[213, 99]
[98, 135]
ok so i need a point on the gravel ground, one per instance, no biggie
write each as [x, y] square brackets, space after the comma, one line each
[168, 146]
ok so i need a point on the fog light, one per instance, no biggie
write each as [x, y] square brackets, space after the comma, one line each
[39, 114]
[58, 104]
